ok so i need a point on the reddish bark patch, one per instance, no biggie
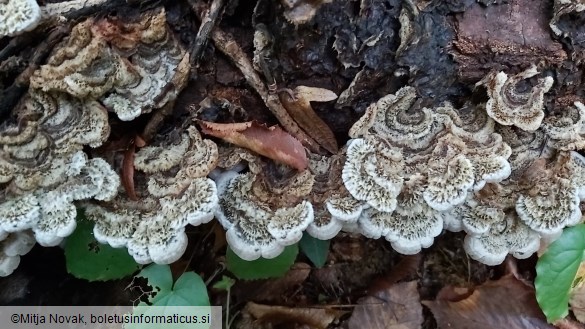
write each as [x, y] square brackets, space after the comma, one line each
[504, 36]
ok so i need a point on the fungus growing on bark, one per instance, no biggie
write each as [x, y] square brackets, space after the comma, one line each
[46, 153]
[265, 209]
[333, 206]
[548, 210]
[49, 210]
[372, 172]
[507, 235]
[562, 7]
[508, 106]
[44, 169]
[527, 147]
[566, 131]
[12, 247]
[413, 225]
[173, 192]
[393, 118]
[456, 150]
[416, 166]
[131, 67]
[17, 16]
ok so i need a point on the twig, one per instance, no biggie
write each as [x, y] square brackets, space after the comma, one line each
[208, 22]
[229, 47]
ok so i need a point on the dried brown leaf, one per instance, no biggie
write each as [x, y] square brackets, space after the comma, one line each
[397, 307]
[271, 142]
[273, 290]
[128, 172]
[317, 318]
[577, 302]
[301, 111]
[406, 267]
[282, 290]
[506, 303]
[220, 241]
[577, 299]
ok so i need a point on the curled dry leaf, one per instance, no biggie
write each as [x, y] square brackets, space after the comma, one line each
[318, 318]
[128, 172]
[506, 303]
[397, 307]
[276, 290]
[271, 142]
[577, 298]
[302, 112]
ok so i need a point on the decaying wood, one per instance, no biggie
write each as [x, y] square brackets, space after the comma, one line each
[229, 47]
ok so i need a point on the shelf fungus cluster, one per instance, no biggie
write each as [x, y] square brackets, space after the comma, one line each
[411, 166]
[12, 246]
[43, 169]
[561, 8]
[334, 208]
[264, 209]
[171, 191]
[130, 67]
[507, 106]
[418, 171]
[269, 206]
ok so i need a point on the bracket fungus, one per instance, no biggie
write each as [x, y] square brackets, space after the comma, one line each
[265, 209]
[566, 131]
[173, 192]
[412, 166]
[12, 247]
[43, 166]
[333, 206]
[131, 67]
[563, 7]
[506, 236]
[413, 225]
[550, 201]
[18, 16]
[508, 106]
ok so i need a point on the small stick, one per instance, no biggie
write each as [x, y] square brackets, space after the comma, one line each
[208, 22]
[228, 46]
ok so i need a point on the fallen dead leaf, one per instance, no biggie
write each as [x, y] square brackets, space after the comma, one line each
[128, 172]
[505, 303]
[295, 276]
[315, 318]
[271, 142]
[301, 111]
[568, 324]
[577, 299]
[577, 302]
[407, 266]
[397, 307]
[220, 241]
[278, 290]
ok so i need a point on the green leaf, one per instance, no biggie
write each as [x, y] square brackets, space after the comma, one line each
[88, 259]
[261, 268]
[225, 283]
[315, 249]
[188, 290]
[556, 270]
